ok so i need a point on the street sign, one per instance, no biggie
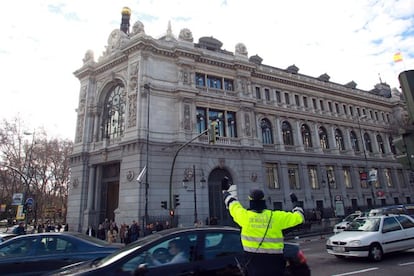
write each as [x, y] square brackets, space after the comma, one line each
[29, 201]
[17, 199]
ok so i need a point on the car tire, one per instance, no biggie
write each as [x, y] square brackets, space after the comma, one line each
[375, 252]
[340, 256]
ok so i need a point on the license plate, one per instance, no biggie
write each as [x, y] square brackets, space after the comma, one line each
[338, 249]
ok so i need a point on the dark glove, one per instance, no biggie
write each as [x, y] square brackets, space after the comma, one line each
[294, 199]
[225, 185]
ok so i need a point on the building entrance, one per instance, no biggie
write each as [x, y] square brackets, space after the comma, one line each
[217, 210]
[109, 192]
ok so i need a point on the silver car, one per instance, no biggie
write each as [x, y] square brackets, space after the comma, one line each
[373, 236]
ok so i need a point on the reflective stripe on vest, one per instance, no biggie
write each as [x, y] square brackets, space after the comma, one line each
[273, 240]
[263, 250]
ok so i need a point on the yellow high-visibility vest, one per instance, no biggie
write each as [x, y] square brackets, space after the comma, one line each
[253, 227]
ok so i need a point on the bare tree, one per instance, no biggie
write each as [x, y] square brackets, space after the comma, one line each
[40, 169]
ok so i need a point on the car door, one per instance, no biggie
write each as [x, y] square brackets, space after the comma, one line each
[222, 251]
[392, 235]
[407, 224]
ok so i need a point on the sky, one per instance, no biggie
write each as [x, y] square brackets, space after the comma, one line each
[44, 41]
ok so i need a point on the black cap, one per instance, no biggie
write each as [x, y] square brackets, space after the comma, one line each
[256, 194]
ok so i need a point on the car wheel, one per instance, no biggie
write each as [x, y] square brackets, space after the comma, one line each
[375, 253]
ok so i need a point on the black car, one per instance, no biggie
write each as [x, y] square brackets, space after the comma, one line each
[36, 254]
[210, 250]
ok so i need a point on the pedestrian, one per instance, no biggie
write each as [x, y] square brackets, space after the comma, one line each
[112, 234]
[101, 234]
[261, 230]
[19, 230]
[91, 231]
[133, 231]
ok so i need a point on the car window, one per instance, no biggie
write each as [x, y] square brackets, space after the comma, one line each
[390, 224]
[180, 249]
[405, 222]
[222, 244]
[17, 248]
[55, 245]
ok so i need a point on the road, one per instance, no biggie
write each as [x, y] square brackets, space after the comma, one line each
[323, 264]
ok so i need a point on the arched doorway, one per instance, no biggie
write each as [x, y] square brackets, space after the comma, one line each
[109, 191]
[218, 213]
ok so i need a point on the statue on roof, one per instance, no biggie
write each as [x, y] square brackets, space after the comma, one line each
[241, 49]
[138, 28]
[186, 35]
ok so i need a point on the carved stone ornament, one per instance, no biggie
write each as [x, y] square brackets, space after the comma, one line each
[186, 35]
[241, 49]
[130, 176]
[75, 183]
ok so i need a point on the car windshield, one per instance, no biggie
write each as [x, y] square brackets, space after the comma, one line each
[368, 224]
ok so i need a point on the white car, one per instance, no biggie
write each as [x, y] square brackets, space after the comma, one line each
[341, 226]
[373, 237]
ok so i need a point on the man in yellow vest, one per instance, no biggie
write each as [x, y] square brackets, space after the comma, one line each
[261, 230]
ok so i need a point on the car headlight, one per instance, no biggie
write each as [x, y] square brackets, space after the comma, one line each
[328, 242]
[354, 243]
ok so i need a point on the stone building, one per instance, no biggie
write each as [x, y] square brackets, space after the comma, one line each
[145, 107]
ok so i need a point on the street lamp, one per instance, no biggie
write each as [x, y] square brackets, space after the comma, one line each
[147, 87]
[365, 157]
[330, 182]
[188, 174]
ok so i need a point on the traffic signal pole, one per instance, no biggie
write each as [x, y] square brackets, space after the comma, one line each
[171, 203]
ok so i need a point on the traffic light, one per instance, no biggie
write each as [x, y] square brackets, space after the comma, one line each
[172, 213]
[176, 200]
[404, 144]
[25, 208]
[214, 132]
[164, 204]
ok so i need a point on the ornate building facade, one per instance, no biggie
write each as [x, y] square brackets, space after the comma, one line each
[144, 104]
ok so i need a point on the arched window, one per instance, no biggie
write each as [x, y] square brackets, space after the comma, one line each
[306, 136]
[287, 134]
[113, 120]
[354, 141]
[368, 144]
[266, 126]
[339, 139]
[323, 137]
[380, 144]
[392, 147]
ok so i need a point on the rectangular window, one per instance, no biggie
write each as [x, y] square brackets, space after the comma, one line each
[330, 175]
[231, 124]
[359, 112]
[313, 177]
[363, 178]
[388, 178]
[214, 82]
[293, 174]
[201, 119]
[297, 100]
[267, 94]
[321, 104]
[228, 85]
[272, 177]
[351, 110]
[315, 107]
[278, 98]
[200, 79]
[345, 110]
[305, 102]
[347, 177]
[258, 96]
[226, 121]
[330, 106]
[287, 100]
[337, 108]
[401, 180]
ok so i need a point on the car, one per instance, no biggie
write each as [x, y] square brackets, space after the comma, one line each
[393, 209]
[341, 226]
[208, 250]
[36, 254]
[373, 236]
[5, 236]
